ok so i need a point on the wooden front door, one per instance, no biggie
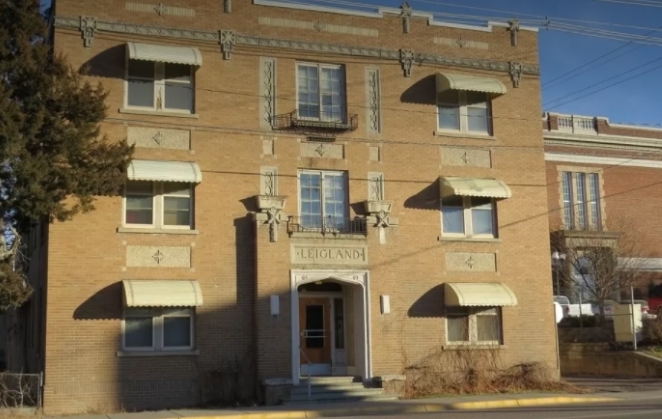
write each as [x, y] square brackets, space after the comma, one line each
[315, 330]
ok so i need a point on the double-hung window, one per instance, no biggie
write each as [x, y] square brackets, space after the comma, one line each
[464, 111]
[321, 92]
[157, 86]
[323, 199]
[158, 329]
[158, 205]
[473, 325]
[580, 193]
[464, 216]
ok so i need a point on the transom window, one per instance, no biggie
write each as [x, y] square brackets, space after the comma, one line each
[158, 204]
[321, 92]
[159, 86]
[473, 325]
[468, 217]
[581, 200]
[464, 111]
[323, 198]
[157, 329]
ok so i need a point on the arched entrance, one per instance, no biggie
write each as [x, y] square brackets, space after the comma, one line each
[330, 323]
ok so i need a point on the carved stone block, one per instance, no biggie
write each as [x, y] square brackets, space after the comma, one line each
[145, 137]
[313, 254]
[327, 151]
[317, 26]
[375, 153]
[268, 147]
[470, 262]
[455, 156]
[267, 92]
[376, 186]
[268, 181]
[373, 101]
[158, 256]
[160, 8]
[461, 43]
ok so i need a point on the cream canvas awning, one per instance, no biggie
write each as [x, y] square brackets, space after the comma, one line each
[164, 171]
[462, 294]
[463, 186]
[164, 54]
[162, 293]
[447, 81]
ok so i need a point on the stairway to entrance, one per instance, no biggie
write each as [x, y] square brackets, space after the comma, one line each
[334, 390]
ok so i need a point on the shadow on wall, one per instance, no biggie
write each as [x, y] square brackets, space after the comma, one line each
[426, 199]
[429, 304]
[109, 63]
[423, 92]
[222, 373]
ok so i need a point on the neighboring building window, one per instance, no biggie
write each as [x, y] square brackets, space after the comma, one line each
[158, 204]
[323, 199]
[157, 329]
[475, 325]
[321, 92]
[581, 200]
[464, 111]
[468, 217]
[159, 86]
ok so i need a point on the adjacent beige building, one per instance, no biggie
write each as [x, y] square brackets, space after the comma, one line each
[314, 191]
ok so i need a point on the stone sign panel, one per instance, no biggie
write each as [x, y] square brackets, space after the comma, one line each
[314, 254]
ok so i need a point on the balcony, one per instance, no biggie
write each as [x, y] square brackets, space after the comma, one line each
[327, 225]
[324, 128]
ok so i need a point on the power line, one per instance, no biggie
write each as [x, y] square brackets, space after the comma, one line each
[647, 3]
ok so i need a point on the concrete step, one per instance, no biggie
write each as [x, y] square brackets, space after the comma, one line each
[335, 394]
[325, 388]
[328, 380]
[343, 399]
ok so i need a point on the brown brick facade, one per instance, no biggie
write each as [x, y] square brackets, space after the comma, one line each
[238, 342]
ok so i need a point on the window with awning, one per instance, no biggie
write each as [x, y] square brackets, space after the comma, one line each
[471, 294]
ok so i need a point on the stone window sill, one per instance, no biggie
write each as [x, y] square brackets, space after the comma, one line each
[467, 135]
[329, 236]
[469, 239]
[474, 347]
[158, 113]
[157, 353]
[172, 231]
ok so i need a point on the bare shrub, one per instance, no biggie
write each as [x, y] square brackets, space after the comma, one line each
[652, 330]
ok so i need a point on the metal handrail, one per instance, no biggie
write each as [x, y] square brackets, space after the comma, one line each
[309, 367]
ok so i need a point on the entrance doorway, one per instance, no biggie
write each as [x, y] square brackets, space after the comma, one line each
[330, 324]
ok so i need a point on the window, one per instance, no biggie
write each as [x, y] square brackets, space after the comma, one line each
[464, 111]
[321, 92]
[323, 199]
[581, 200]
[158, 204]
[159, 86]
[157, 329]
[476, 325]
[468, 217]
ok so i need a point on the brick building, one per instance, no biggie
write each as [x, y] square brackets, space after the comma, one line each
[604, 183]
[314, 191]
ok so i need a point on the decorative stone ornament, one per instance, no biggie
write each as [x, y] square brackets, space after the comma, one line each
[514, 29]
[406, 16]
[227, 41]
[88, 28]
[407, 61]
[271, 213]
[515, 73]
[379, 215]
[227, 6]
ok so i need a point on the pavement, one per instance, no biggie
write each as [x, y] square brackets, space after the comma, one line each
[608, 397]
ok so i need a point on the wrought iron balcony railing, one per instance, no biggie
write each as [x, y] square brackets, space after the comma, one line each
[326, 225]
[326, 122]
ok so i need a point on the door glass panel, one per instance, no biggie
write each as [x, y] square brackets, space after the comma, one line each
[339, 322]
[314, 327]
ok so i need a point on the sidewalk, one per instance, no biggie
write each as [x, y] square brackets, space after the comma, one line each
[371, 408]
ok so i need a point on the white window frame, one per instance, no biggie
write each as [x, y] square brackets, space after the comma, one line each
[464, 115]
[158, 209]
[468, 220]
[159, 87]
[323, 174]
[158, 330]
[473, 313]
[319, 67]
[592, 212]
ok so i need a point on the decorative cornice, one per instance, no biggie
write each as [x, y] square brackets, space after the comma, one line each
[602, 141]
[250, 40]
[608, 161]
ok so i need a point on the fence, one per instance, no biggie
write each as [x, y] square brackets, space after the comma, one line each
[20, 390]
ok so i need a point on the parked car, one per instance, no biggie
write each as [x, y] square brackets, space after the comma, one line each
[655, 299]
[573, 310]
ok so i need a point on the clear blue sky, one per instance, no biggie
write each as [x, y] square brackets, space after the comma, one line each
[628, 98]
